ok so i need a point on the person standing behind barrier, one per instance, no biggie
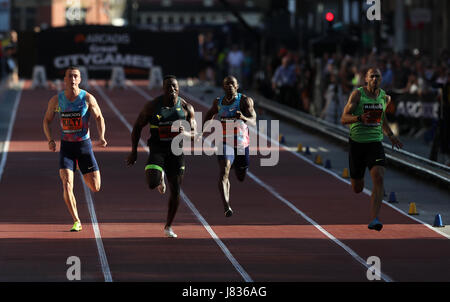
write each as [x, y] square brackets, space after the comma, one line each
[445, 141]
[74, 106]
[235, 60]
[283, 82]
[365, 113]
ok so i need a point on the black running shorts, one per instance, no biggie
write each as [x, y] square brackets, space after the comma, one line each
[364, 155]
[162, 158]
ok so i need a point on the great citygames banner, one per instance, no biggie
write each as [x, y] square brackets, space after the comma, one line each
[99, 48]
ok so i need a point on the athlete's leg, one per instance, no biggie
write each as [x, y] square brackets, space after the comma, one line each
[241, 164]
[66, 176]
[93, 180]
[357, 165]
[154, 171]
[88, 166]
[174, 199]
[377, 174]
[175, 171]
[357, 185]
[153, 177]
[224, 183]
[240, 173]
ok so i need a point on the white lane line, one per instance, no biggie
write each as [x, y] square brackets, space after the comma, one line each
[5, 148]
[300, 156]
[316, 225]
[191, 206]
[216, 238]
[98, 238]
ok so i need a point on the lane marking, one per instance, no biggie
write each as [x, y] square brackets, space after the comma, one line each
[187, 201]
[315, 224]
[5, 148]
[98, 238]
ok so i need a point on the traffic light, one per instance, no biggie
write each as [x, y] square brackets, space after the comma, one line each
[329, 17]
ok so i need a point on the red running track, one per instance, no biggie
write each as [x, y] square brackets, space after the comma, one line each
[265, 238]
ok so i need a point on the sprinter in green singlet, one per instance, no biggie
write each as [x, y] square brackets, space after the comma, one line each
[160, 114]
[365, 112]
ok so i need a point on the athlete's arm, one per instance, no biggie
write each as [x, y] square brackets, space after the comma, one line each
[191, 119]
[140, 123]
[387, 130]
[248, 113]
[99, 120]
[347, 115]
[48, 118]
[211, 112]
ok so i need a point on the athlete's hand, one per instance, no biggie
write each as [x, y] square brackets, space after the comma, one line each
[131, 159]
[102, 143]
[395, 142]
[240, 116]
[52, 145]
[365, 117]
[198, 136]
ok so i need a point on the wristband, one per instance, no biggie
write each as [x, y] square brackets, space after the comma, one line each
[359, 118]
[52, 140]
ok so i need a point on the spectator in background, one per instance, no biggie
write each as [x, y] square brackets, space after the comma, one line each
[442, 137]
[221, 66]
[387, 75]
[332, 110]
[235, 60]
[247, 70]
[412, 87]
[401, 74]
[283, 82]
[209, 57]
[445, 122]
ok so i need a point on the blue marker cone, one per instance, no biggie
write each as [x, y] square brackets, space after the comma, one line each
[438, 221]
[307, 152]
[327, 164]
[392, 197]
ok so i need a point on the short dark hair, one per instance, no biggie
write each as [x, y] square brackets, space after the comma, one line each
[167, 77]
[73, 67]
[371, 68]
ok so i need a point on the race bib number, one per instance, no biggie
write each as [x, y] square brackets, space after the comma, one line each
[71, 122]
[375, 113]
[229, 127]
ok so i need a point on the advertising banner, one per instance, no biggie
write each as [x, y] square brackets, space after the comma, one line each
[100, 48]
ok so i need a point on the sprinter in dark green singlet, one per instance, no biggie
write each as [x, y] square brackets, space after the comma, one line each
[365, 112]
[160, 114]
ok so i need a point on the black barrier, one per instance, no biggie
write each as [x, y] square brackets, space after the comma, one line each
[99, 48]
[415, 112]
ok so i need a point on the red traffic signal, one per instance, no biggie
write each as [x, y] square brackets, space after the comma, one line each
[329, 16]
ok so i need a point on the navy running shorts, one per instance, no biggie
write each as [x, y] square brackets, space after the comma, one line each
[81, 153]
[239, 159]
